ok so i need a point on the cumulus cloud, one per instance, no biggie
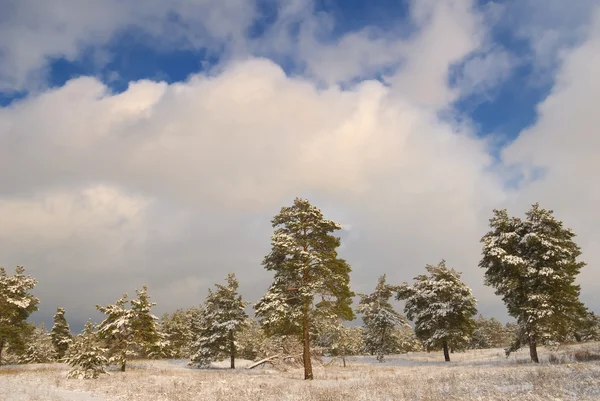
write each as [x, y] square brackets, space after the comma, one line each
[174, 185]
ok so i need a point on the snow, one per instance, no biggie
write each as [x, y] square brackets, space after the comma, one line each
[474, 375]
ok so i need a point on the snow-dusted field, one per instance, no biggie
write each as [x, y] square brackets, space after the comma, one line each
[475, 375]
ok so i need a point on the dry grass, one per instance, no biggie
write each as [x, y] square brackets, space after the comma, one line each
[475, 375]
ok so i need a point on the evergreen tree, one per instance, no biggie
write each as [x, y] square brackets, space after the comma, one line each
[86, 356]
[442, 308]
[61, 334]
[146, 334]
[16, 304]
[116, 331]
[380, 319]
[224, 316]
[532, 264]
[408, 341]
[39, 347]
[306, 266]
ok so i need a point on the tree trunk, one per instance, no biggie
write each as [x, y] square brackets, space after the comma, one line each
[446, 353]
[308, 374]
[231, 349]
[2, 342]
[533, 350]
[123, 364]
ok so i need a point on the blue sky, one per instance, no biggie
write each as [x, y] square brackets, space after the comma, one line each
[153, 141]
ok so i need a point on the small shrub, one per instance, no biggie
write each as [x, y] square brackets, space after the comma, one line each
[585, 356]
[556, 360]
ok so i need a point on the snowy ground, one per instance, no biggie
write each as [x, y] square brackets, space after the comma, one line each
[475, 375]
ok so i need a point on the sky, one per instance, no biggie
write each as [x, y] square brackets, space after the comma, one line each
[151, 142]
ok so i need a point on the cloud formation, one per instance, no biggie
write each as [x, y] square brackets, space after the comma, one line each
[174, 185]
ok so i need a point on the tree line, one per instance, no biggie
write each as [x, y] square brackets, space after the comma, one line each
[531, 263]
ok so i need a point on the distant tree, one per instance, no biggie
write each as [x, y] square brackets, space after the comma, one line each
[16, 304]
[441, 306]
[86, 355]
[589, 328]
[307, 267]
[338, 340]
[490, 333]
[380, 320]
[407, 340]
[532, 264]
[39, 347]
[250, 341]
[224, 316]
[180, 331]
[60, 334]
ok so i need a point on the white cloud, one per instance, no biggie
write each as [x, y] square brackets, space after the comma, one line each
[174, 185]
[564, 144]
[237, 145]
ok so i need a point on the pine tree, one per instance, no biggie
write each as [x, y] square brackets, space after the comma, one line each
[380, 319]
[442, 308]
[224, 316]
[16, 304]
[86, 356]
[338, 340]
[61, 334]
[532, 264]
[116, 331]
[146, 334]
[306, 265]
[39, 347]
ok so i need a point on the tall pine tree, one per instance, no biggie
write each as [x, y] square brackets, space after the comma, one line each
[309, 279]
[61, 334]
[532, 264]
[224, 316]
[16, 304]
[442, 308]
[380, 320]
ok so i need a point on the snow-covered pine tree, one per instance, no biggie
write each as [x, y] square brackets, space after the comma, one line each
[85, 355]
[61, 334]
[532, 264]
[441, 306]
[224, 316]
[250, 342]
[16, 304]
[39, 347]
[116, 332]
[146, 335]
[380, 319]
[306, 265]
[407, 340]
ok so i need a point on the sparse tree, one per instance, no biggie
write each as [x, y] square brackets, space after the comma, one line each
[224, 316]
[86, 356]
[16, 304]
[306, 266]
[380, 320]
[442, 308]
[533, 264]
[61, 334]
